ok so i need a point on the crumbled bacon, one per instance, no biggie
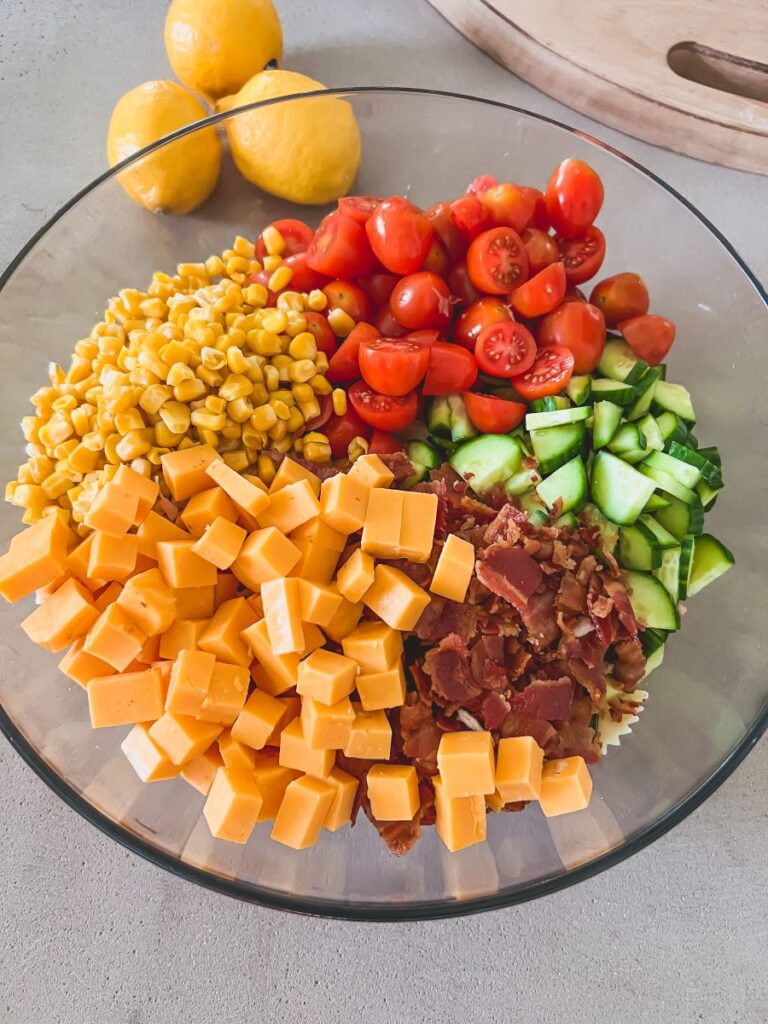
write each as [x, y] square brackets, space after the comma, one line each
[509, 573]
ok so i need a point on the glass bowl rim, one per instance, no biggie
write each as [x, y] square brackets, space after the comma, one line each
[371, 910]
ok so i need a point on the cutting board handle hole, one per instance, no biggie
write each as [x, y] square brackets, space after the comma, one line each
[718, 70]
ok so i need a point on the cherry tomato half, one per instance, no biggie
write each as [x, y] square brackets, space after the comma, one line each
[344, 364]
[580, 327]
[303, 278]
[399, 234]
[582, 256]
[340, 248]
[509, 206]
[386, 324]
[296, 233]
[493, 415]
[482, 313]
[621, 297]
[649, 337]
[462, 289]
[325, 339]
[469, 216]
[439, 216]
[505, 349]
[382, 443]
[425, 336]
[340, 430]
[542, 249]
[549, 374]
[541, 293]
[451, 369]
[349, 297]
[540, 215]
[574, 196]
[393, 366]
[497, 261]
[421, 300]
[383, 412]
[481, 184]
[359, 208]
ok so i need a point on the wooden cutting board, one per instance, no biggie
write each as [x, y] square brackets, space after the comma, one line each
[689, 75]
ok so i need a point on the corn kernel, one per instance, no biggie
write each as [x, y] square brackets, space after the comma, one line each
[339, 400]
[235, 386]
[310, 409]
[188, 391]
[176, 417]
[320, 384]
[273, 241]
[271, 263]
[302, 392]
[206, 436]
[212, 378]
[254, 439]
[341, 322]
[256, 294]
[236, 361]
[316, 452]
[214, 266]
[276, 321]
[303, 346]
[281, 409]
[240, 409]
[236, 460]
[243, 247]
[179, 372]
[317, 300]
[133, 445]
[206, 420]
[212, 359]
[301, 371]
[295, 421]
[279, 431]
[271, 379]
[154, 396]
[259, 394]
[263, 418]
[268, 343]
[280, 279]
[129, 420]
[292, 304]
[265, 467]
[357, 446]
[316, 435]
[214, 403]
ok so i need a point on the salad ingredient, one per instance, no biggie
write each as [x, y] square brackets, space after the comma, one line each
[582, 255]
[454, 569]
[393, 791]
[383, 443]
[497, 261]
[421, 300]
[566, 786]
[399, 234]
[462, 290]
[620, 297]
[451, 369]
[580, 327]
[285, 237]
[473, 318]
[541, 293]
[466, 763]
[349, 297]
[541, 248]
[519, 765]
[339, 247]
[344, 365]
[573, 197]
[649, 337]
[493, 415]
[460, 821]
[548, 375]
[505, 349]
[383, 412]
[509, 206]
[454, 242]
[469, 216]
[488, 461]
[359, 208]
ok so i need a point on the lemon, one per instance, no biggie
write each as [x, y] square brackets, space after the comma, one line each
[215, 46]
[306, 152]
[178, 177]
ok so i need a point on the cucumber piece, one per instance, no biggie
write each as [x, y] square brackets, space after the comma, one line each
[612, 391]
[651, 603]
[619, 362]
[461, 425]
[708, 471]
[685, 474]
[686, 562]
[618, 490]
[644, 390]
[671, 428]
[592, 515]
[554, 446]
[673, 398]
[655, 502]
[691, 441]
[530, 503]
[650, 428]
[669, 572]
[708, 495]
[652, 640]
[667, 483]
[550, 403]
[521, 482]
[712, 455]
[638, 548]
[422, 457]
[663, 537]
[556, 418]
[568, 519]
[487, 461]
[634, 455]
[439, 417]
[569, 483]
[607, 417]
[680, 518]
[627, 439]
[653, 661]
[578, 388]
[710, 560]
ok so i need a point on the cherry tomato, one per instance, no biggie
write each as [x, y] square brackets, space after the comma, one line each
[427, 336]
[340, 430]
[574, 196]
[359, 208]
[439, 216]
[580, 327]
[386, 324]
[451, 369]
[437, 261]
[574, 294]
[469, 216]
[303, 278]
[383, 412]
[621, 297]
[344, 364]
[509, 206]
[549, 374]
[497, 261]
[541, 293]
[542, 249]
[399, 234]
[482, 313]
[421, 300]
[393, 366]
[649, 337]
[540, 215]
[325, 339]
[493, 415]
[340, 248]
[481, 184]
[349, 297]
[383, 443]
[378, 287]
[462, 289]
[262, 277]
[296, 233]
[582, 256]
[505, 349]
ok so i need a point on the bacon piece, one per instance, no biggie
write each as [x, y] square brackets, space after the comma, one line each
[510, 573]
[494, 709]
[447, 666]
[549, 699]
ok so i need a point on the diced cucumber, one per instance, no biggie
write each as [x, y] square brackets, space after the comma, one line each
[686, 563]
[653, 661]
[644, 390]
[439, 417]
[686, 474]
[487, 461]
[652, 640]
[607, 417]
[554, 446]
[461, 425]
[667, 483]
[710, 560]
[680, 518]
[521, 481]
[671, 428]
[530, 503]
[650, 428]
[634, 455]
[618, 490]
[712, 454]
[651, 603]
[707, 494]
[628, 438]
[578, 388]
[568, 519]
[663, 537]
[422, 457]
[656, 501]
[550, 403]
[691, 440]
[612, 391]
[619, 362]
[569, 484]
[638, 548]
[669, 572]
[592, 515]
[556, 418]
[708, 471]
[674, 398]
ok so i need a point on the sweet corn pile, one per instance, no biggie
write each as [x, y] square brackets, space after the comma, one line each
[198, 357]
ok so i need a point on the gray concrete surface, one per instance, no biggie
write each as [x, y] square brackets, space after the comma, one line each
[91, 934]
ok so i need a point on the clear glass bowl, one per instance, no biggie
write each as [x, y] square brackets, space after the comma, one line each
[709, 701]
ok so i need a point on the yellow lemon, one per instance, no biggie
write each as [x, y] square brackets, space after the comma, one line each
[306, 152]
[178, 177]
[215, 46]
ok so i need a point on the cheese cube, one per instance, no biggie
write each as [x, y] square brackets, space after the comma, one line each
[194, 602]
[220, 543]
[379, 690]
[454, 569]
[343, 801]
[370, 736]
[319, 603]
[290, 507]
[206, 506]
[114, 638]
[180, 636]
[185, 470]
[313, 638]
[395, 598]
[280, 671]
[149, 762]
[383, 522]
[258, 720]
[290, 472]
[319, 531]
[190, 679]
[234, 753]
[181, 567]
[417, 529]
[164, 668]
[265, 555]
[326, 677]
[282, 614]
[371, 471]
[375, 646]
[316, 563]
[356, 575]
[345, 620]
[67, 614]
[344, 502]
[145, 489]
[77, 561]
[222, 635]
[272, 781]
[149, 602]
[201, 771]
[155, 528]
[460, 821]
[182, 738]
[296, 753]
[112, 511]
[233, 804]
[303, 812]
[247, 496]
[227, 587]
[291, 710]
[81, 666]
[393, 790]
[37, 557]
[225, 697]
[326, 726]
[107, 596]
[519, 763]
[466, 763]
[493, 801]
[125, 699]
[150, 650]
[566, 786]
[112, 558]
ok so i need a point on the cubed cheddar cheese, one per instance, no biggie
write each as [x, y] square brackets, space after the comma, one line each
[125, 699]
[395, 598]
[466, 763]
[279, 671]
[149, 602]
[145, 489]
[201, 771]
[150, 651]
[313, 637]
[185, 470]
[379, 690]
[345, 620]
[107, 596]
[233, 804]
[181, 737]
[296, 753]
[155, 528]
[265, 555]
[37, 557]
[282, 614]
[460, 821]
[417, 529]
[383, 522]
[519, 763]
[181, 567]
[375, 646]
[326, 726]
[195, 602]
[258, 720]
[566, 786]
[115, 638]
[325, 536]
[222, 635]
[319, 602]
[454, 569]
[78, 563]
[246, 495]
[190, 679]
[370, 736]
[226, 694]
[113, 510]
[316, 563]
[344, 502]
[291, 710]
[67, 614]
[164, 668]
[341, 808]
[181, 635]
[227, 587]
[303, 812]
[371, 471]
[272, 780]
[356, 575]
[206, 506]
[326, 677]
[234, 753]
[81, 666]
[220, 543]
[393, 790]
[290, 472]
[149, 762]
[290, 507]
